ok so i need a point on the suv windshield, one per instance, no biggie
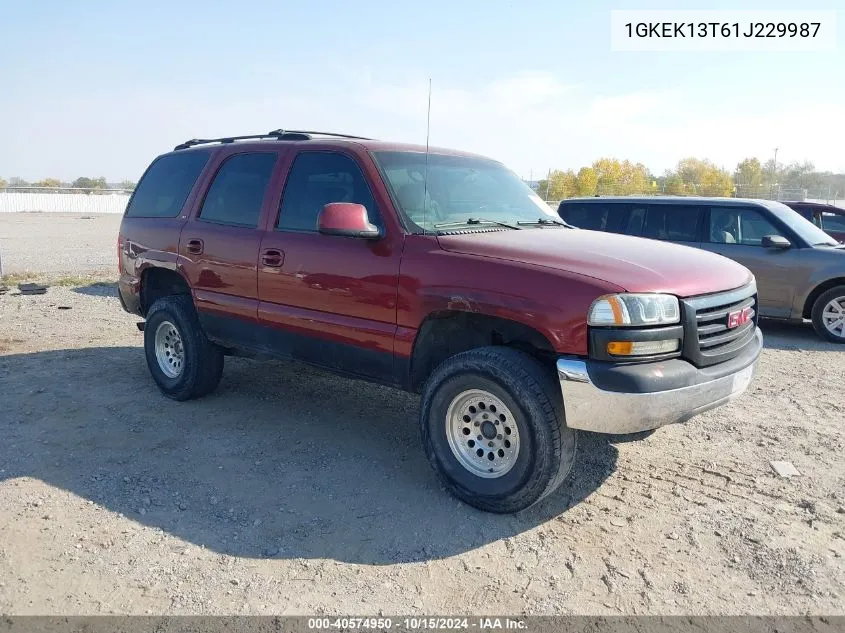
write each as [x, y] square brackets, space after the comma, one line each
[805, 229]
[459, 189]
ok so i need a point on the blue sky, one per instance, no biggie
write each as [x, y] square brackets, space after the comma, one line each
[99, 88]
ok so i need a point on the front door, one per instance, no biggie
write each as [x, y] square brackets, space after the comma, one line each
[737, 233]
[324, 299]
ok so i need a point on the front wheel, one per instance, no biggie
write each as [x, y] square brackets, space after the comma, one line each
[829, 314]
[493, 429]
[182, 361]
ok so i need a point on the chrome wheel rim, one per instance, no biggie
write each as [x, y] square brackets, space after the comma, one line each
[482, 433]
[833, 316]
[170, 353]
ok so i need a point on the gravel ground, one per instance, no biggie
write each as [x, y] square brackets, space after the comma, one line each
[58, 242]
[269, 497]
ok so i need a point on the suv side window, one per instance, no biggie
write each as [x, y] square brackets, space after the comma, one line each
[833, 222]
[596, 216]
[739, 225]
[237, 192]
[808, 213]
[315, 180]
[673, 222]
[634, 224]
[166, 184]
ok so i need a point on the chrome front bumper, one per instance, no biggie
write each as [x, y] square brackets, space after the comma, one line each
[591, 408]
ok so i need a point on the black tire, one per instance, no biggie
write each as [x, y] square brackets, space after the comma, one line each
[818, 307]
[202, 366]
[546, 448]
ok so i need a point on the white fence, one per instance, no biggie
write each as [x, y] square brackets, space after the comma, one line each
[16, 202]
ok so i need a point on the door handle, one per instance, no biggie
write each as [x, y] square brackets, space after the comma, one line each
[194, 246]
[273, 258]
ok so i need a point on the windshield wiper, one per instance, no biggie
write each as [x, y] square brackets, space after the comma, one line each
[545, 222]
[444, 225]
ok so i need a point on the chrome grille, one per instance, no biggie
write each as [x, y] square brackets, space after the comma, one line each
[714, 341]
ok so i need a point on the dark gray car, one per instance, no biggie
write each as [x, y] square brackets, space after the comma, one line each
[800, 269]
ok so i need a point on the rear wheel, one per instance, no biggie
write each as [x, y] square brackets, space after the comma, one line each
[829, 314]
[493, 429]
[182, 361]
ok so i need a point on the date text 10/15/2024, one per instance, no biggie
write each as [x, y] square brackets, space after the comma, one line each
[416, 623]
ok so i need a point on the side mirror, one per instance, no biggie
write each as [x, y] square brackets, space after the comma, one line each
[775, 241]
[346, 219]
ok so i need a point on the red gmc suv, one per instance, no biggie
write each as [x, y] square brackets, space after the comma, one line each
[437, 272]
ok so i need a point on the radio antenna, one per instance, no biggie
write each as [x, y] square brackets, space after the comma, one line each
[425, 174]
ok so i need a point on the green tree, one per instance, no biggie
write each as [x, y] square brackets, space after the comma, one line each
[3, 184]
[89, 184]
[586, 181]
[52, 183]
[772, 173]
[560, 184]
[608, 174]
[128, 185]
[802, 176]
[615, 177]
[749, 178]
[749, 173]
[704, 177]
[673, 184]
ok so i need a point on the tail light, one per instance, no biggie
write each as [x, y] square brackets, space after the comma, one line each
[119, 249]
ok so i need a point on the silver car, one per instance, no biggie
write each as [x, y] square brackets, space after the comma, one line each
[800, 269]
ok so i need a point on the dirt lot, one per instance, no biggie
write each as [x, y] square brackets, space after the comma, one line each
[58, 243]
[292, 491]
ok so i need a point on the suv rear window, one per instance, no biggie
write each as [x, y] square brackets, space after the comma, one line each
[166, 184]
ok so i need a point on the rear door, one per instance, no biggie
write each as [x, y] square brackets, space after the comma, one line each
[737, 232]
[219, 245]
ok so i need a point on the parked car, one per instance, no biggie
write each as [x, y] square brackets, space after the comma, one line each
[800, 270]
[827, 217]
[436, 272]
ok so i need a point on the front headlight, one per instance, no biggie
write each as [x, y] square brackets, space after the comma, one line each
[634, 309]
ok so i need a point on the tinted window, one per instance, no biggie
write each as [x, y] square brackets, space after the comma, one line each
[596, 216]
[804, 211]
[673, 222]
[734, 225]
[165, 187]
[315, 180]
[238, 189]
[802, 227]
[634, 223]
[833, 222]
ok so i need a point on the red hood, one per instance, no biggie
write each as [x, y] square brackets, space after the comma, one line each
[633, 263]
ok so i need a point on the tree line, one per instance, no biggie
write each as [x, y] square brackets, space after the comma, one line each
[83, 184]
[693, 177]
[611, 176]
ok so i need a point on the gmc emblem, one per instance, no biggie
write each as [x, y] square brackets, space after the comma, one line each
[740, 317]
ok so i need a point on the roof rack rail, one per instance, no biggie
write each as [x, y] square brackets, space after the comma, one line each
[313, 133]
[279, 135]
